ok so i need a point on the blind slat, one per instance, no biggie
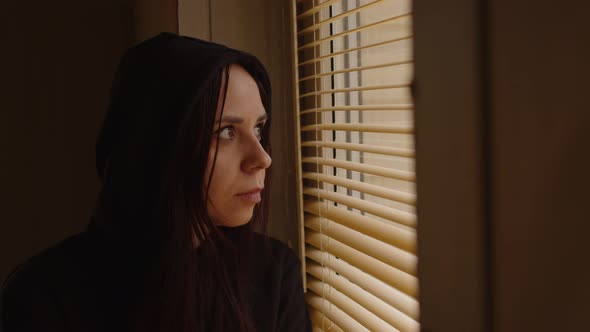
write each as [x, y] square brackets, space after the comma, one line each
[389, 295]
[368, 148]
[371, 189]
[334, 313]
[398, 279]
[370, 128]
[353, 309]
[351, 31]
[361, 68]
[386, 253]
[337, 17]
[321, 322]
[348, 50]
[363, 168]
[372, 303]
[316, 9]
[359, 108]
[400, 217]
[360, 88]
[402, 238]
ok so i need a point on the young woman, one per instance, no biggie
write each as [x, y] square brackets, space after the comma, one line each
[176, 241]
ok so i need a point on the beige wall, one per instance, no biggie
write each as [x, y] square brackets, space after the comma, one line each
[58, 58]
[260, 27]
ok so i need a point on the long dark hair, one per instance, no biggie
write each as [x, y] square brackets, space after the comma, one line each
[199, 273]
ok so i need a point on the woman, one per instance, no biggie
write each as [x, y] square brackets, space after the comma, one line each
[174, 243]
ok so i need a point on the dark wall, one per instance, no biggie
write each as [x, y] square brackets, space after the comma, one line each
[540, 128]
[57, 59]
[503, 141]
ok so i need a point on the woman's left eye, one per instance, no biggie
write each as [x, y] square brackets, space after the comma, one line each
[226, 133]
[258, 131]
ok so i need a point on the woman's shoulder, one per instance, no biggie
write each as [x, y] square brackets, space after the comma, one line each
[275, 261]
[44, 266]
[39, 278]
[29, 295]
[275, 249]
[279, 299]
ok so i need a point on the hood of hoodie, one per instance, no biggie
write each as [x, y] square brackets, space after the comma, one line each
[153, 89]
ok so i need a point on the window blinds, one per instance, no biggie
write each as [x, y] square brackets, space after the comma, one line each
[356, 155]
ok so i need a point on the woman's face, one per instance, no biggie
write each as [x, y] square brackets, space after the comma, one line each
[238, 177]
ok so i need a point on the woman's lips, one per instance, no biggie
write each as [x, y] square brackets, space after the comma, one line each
[252, 196]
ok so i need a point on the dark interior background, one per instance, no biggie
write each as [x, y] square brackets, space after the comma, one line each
[57, 60]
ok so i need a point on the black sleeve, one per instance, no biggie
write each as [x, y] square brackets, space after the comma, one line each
[27, 306]
[293, 315]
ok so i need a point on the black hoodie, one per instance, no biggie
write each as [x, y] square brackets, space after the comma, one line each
[89, 282]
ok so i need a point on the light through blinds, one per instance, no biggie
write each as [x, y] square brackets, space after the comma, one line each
[356, 153]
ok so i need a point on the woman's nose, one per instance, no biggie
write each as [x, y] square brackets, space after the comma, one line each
[256, 157]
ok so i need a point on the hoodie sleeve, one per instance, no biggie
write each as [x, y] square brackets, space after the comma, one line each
[293, 314]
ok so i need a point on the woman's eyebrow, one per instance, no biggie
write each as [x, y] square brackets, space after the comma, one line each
[236, 119]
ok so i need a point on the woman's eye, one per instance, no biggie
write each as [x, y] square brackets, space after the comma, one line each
[226, 133]
[258, 131]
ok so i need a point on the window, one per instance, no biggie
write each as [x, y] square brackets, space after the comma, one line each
[356, 153]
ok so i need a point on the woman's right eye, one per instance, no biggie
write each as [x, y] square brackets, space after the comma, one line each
[227, 132]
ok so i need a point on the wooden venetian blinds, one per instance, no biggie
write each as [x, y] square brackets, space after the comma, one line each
[356, 154]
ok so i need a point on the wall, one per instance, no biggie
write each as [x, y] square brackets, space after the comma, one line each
[540, 146]
[150, 17]
[58, 59]
[450, 166]
[503, 134]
